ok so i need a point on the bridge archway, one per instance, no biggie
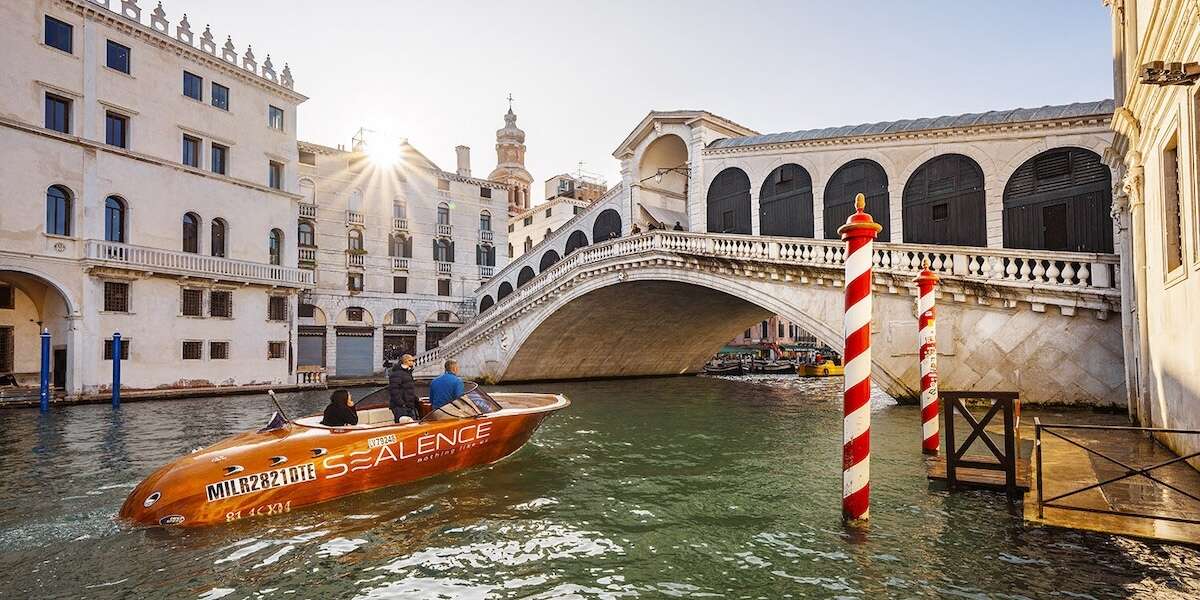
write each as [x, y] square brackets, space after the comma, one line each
[1060, 199]
[607, 225]
[548, 260]
[525, 275]
[859, 176]
[786, 202]
[663, 179]
[944, 203]
[504, 290]
[575, 241]
[729, 202]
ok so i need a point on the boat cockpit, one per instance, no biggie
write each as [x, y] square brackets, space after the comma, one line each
[373, 410]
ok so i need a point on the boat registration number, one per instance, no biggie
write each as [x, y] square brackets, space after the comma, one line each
[258, 482]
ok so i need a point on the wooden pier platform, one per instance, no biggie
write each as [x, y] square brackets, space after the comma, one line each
[977, 479]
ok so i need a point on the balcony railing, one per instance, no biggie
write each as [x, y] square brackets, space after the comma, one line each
[444, 230]
[399, 224]
[356, 261]
[353, 217]
[308, 255]
[486, 235]
[486, 271]
[399, 263]
[156, 260]
[444, 268]
[308, 211]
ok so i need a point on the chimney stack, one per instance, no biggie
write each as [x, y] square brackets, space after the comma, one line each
[464, 160]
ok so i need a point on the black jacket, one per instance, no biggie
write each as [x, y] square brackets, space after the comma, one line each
[337, 414]
[402, 390]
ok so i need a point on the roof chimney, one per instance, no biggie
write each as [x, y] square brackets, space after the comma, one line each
[464, 160]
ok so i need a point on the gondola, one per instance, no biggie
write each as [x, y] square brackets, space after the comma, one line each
[293, 463]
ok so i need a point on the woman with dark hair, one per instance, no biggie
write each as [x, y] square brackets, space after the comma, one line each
[340, 411]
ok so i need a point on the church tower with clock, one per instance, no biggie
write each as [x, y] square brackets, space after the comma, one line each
[510, 162]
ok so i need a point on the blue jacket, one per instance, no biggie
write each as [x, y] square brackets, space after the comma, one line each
[445, 389]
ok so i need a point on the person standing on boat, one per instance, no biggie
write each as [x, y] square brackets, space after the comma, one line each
[402, 389]
[340, 411]
[447, 387]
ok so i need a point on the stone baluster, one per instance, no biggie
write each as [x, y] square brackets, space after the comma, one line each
[130, 10]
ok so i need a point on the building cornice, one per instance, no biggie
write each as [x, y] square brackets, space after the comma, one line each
[550, 203]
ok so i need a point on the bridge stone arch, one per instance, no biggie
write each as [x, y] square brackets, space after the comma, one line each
[728, 202]
[548, 259]
[607, 225]
[525, 275]
[503, 291]
[575, 241]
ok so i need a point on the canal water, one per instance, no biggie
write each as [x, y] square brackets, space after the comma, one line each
[679, 487]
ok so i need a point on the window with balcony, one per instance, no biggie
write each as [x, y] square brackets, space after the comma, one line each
[354, 240]
[275, 117]
[116, 129]
[58, 210]
[116, 296]
[443, 250]
[275, 246]
[220, 96]
[485, 221]
[219, 230]
[118, 57]
[443, 214]
[275, 350]
[400, 246]
[275, 175]
[399, 210]
[276, 308]
[305, 235]
[58, 34]
[114, 219]
[191, 303]
[108, 348]
[399, 285]
[485, 255]
[191, 151]
[193, 86]
[220, 159]
[220, 304]
[218, 350]
[191, 233]
[58, 113]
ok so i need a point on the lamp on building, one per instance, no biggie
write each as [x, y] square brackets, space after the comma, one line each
[660, 172]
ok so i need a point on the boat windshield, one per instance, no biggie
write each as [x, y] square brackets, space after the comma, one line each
[474, 403]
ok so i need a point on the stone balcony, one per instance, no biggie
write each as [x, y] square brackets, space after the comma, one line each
[156, 261]
[444, 230]
[355, 261]
[444, 268]
[308, 211]
[486, 235]
[354, 217]
[399, 224]
[486, 272]
[399, 263]
[307, 257]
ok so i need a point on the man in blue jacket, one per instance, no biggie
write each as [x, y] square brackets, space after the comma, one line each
[447, 387]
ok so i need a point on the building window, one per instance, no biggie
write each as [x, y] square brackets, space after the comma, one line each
[443, 214]
[549, 211]
[578, 209]
[275, 175]
[275, 117]
[114, 220]
[220, 159]
[306, 311]
[275, 247]
[220, 96]
[218, 350]
[116, 129]
[218, 237]
[7, 297]
[191, 233]
[276, 308]
[485, 254]
[116, 296]
[58, 113]
[354, 282]
[58, 34]
[443, 250]
[192, 303]
[275, 349]
[193, 86]
[939, 212]
[443, 316]
[118, 57]
[108, 348]
[400, 246]
[354, 240]
[308, 158]
[1172, 211]
[528, 244]
[400, 210]
[485, 221]
[220, 304]
[485, 192]
[305, 235]
[443, 185]
[191, 151]
[58, 210]
[510, 227]
[193, 350]
[528, 221]
[443, 287]
[399, 285]
[354, 314]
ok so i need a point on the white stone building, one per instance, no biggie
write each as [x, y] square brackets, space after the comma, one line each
[397, 249]
[529, 227]
[148, 189]
[1156, 159]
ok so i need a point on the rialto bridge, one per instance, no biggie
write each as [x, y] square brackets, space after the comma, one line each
[1011, 208]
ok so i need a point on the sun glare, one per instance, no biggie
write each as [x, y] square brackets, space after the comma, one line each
[384, 154]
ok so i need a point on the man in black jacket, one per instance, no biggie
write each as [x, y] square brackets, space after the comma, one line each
[402, 390]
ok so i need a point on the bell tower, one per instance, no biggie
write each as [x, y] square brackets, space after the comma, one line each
[510, 162]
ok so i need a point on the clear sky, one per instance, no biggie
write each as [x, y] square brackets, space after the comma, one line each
[584, 73]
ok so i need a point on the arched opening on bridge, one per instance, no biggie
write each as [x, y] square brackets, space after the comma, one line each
[486, 303]
[548, 260]
[505, 289]
[663, 182]
[1060, 200]
[525, 275]
[786, 202]
[607, 225]
[28, 304]
[575, 241]
[944, 203]
[729, 202]
[859, 176]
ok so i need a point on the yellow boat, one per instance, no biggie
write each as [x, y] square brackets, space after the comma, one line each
[827, 369]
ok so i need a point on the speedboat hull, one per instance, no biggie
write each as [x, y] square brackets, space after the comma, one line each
[272, 472]
[826, 369]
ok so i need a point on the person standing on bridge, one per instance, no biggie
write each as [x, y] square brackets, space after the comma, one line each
[402, 390]
[447, 387]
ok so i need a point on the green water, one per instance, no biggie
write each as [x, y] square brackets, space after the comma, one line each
[681, 487]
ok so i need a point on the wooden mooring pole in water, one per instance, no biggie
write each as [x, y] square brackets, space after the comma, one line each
[927, 348]
[859, 232]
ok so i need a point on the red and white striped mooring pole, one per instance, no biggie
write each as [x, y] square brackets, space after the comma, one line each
[927, 338]
[859, 232]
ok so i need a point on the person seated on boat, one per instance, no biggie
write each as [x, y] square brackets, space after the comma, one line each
[402, 390]
[340, 411]
[447, 387]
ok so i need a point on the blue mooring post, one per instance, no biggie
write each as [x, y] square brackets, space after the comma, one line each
[116, 383]
[44, 397]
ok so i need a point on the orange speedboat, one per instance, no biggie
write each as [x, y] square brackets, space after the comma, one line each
[289, 464]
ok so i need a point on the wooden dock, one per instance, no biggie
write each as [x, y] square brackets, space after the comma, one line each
[977, 479]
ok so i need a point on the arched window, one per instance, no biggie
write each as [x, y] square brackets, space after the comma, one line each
[219, 231]
[785, 202]
[354, 240]
[607, 225]
[504, 290]
[485, 221]
[399, 209]
[860, 176]
[548, 260]
[400, 246]
[443, 214]
[528, 244]
[525, 275]
[191, 233]
[58, 210]
[485, 254]
[275, 246]
[944, 203]
[486, 303]
[575, 241]
[114, 219]
[729, 202]
[1060, 200]
[443, 250]
[305, 235]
